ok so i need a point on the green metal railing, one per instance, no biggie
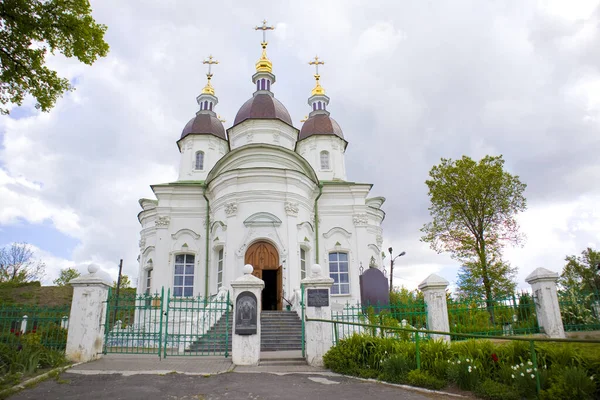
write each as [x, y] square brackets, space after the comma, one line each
[580, 311]
[198, 326]
[303, 325]
[133, 323]
[49, 324]
[411, 315]
[419, 333]
[507, 316]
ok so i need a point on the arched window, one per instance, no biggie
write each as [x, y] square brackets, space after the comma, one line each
[338, 271]
[324, 160]
[314, 106]
[268, 84]
[258, 84]
[319, 105]
[205, 104]
[220, 269]
[200, 160]
[183, 278]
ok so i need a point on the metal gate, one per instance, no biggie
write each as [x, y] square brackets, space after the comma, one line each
[165, 325]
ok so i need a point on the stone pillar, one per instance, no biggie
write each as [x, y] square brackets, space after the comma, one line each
[434, 291]
[317, 300]
[245, 346]
[545, 296]
[88, 314]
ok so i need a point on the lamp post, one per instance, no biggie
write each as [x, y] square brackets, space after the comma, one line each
[392, 267]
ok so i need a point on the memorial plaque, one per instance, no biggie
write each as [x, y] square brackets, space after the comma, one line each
[317, 297]
[374, 290]
[246, 312]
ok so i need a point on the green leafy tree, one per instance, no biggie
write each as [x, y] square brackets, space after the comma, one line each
[125, 283]
[18, 265]
[29, 29]
[580, 273]
[473, 209]
[470, 279]
[66, 275]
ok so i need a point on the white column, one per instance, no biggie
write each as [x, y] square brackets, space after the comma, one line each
[88, 314]
[245, 346]
[545, 296]
[318, 306]
[434, 292]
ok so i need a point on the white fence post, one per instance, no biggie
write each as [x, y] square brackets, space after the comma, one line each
[434, 291]
[24, 324]
[545, 297]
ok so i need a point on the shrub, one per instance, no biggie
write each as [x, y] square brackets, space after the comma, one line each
[492, 390]
[524, 380]
[396, 367]
[434, 357]
[423, 379]
[464, 372]
[570, 383]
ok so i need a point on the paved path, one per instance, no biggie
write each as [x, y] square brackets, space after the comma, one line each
[254, 386]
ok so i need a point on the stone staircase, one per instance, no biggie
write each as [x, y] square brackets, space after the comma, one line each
[280, 331]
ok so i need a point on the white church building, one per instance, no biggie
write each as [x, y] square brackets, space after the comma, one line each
[262, 192]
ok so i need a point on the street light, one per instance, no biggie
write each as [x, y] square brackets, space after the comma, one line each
[392, 267]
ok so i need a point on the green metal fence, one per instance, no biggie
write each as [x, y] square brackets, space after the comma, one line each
[198, 326]
[49, 324]
[580, 311]
[411, 315]
[507, 316]
[134, 323]
[168, 326]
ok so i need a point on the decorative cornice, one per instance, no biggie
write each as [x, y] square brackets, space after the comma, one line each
[291, 208]
[184, 231]
[335, 230]
[142, 243]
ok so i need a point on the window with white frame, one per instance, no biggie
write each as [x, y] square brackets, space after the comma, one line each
[338, 271]
[148, 280]
[302, 263]
[324, 160]
[220, 269]
[200, 160]
[183, 280]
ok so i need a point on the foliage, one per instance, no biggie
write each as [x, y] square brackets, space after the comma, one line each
[464, 373]
[473, 209]
[17, 263]
[492, 390]
[31, 293]
[396, 367]
[470, 279]
[125, 283]
[575, 309]
[580, 272]
[29, 29]
[66, 275]
[424, 379]
[570, 383]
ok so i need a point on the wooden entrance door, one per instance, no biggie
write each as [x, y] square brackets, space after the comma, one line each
[264, 257]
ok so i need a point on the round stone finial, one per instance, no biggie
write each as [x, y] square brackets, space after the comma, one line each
[316, 269]
[93, 268]
[248, 269]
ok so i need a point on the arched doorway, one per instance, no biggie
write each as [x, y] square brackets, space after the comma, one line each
[264, 258]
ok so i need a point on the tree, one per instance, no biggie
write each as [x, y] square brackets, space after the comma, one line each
[29, 29]
[125, 282]
[17, 264]
[66, 275]
[581, 273]
[473, 209]
[470, 279]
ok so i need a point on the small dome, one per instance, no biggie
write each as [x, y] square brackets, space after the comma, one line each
[320, 124]
[204, 123]
[263, 106]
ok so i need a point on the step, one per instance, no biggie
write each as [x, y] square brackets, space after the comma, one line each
[283, 362]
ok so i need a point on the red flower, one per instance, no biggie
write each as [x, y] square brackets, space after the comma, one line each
[494, 357]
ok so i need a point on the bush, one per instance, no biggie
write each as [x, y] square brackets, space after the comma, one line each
[425, 380]
[492, 390]
[464, 372]
[570, 383]
[396, 367]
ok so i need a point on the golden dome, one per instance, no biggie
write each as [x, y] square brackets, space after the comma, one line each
[208, 89]
[264, 64]
[318, 89]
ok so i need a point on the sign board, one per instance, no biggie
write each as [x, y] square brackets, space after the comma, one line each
[374, 289]
[317, 297]
[246, 312]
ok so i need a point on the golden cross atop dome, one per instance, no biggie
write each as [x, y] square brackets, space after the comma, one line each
[208, 89]
[264, 64]
[318, 89]
[304, 119]
[264, 28]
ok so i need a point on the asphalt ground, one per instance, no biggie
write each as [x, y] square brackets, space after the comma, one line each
[231, 385]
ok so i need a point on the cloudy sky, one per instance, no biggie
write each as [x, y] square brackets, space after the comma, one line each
[410, 82]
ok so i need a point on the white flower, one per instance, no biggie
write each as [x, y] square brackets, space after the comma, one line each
[532, 376]
[535, 369]
[469, 368]
[529, 362]
[528, 370]
[522, 374]
[592, 378]
[458, 361]
[513, 376]
[467, 360]
[474, 367]
[448, 361]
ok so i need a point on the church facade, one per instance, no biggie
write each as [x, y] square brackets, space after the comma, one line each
[263, 193]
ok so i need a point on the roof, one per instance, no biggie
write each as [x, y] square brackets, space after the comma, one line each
[320, 124]
[263, 106]
[204, 123]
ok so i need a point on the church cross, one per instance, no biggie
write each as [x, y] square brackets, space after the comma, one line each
[305, 118]
[264, 28]
[316, 63]
[210, 61]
